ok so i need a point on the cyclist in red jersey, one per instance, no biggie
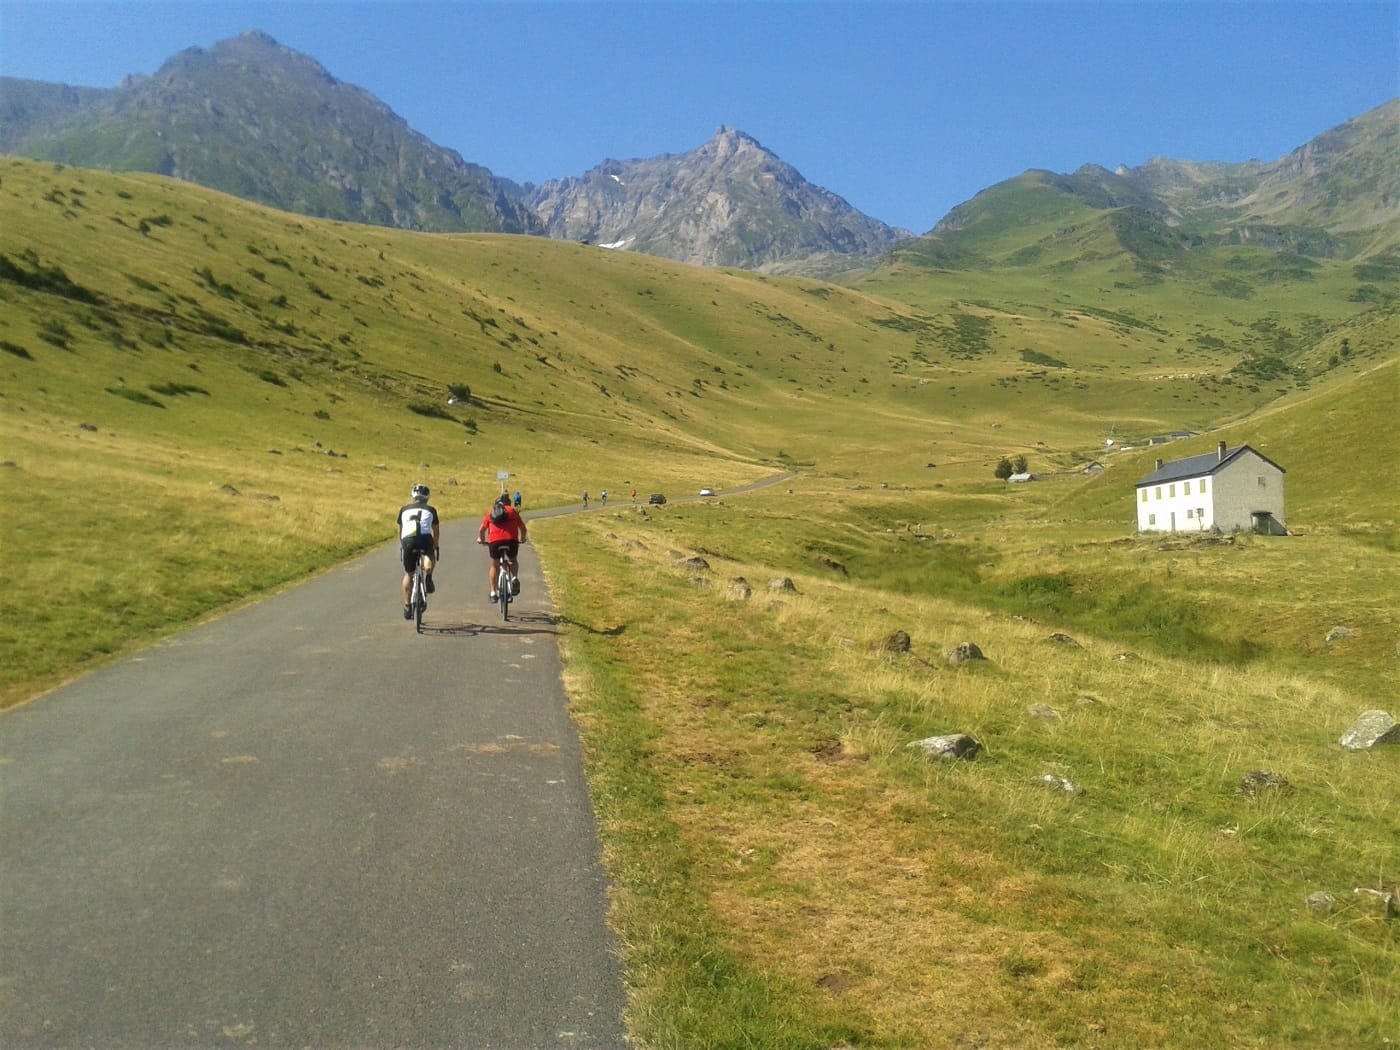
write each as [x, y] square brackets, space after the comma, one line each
[502, 528]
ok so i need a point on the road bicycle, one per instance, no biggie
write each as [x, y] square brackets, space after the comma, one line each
[418, 592]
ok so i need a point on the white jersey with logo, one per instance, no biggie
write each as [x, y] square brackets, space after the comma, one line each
[417, 519]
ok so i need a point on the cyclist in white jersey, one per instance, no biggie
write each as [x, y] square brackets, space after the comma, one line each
[420, 529]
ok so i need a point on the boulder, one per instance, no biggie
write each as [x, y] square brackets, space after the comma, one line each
[1388, 900]
[1063, 639]
[1043, 713]
[782, 583]
[1371, 729]
[1337, 634]
[963, 652]
[696, 564]
[1321, 903]
[1059, 783]
[953, 746]
[739, 590]
[1261, 781]
[896, 643]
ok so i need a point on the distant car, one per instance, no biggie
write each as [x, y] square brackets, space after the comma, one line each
[707, 492]
[656, 498]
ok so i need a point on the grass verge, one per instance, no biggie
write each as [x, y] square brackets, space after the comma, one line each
[791, 873]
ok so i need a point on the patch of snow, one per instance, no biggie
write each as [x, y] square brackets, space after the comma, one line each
[616, 180]
[616, 244]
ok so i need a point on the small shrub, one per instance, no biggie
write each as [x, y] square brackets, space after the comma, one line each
[1035, 357]
[422, 408]
[55, 333]
[178, 389]
[140, 397]
[142, 283]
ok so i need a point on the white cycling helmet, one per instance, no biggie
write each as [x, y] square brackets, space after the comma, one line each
[420, 492]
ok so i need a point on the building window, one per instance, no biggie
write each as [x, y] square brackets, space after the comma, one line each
[1186, 488]
[1262, 482]
[1200, 512]
[1171, 491]
[1203, 486]
[1157, 494]
[1190, 513]
[1143, 494]
[1152, 519]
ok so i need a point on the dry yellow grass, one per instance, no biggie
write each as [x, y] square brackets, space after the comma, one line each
[892, 893]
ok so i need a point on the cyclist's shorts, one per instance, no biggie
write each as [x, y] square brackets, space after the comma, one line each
[410, 546]
[511, 547]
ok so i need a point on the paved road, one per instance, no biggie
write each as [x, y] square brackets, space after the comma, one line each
[303, 825]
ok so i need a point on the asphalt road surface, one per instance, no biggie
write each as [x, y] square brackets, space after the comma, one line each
[304, 825]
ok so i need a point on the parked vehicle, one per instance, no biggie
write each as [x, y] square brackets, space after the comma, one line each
[656, 499]
[707, 492]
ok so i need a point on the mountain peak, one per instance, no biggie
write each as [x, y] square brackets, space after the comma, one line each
[729, 202]
[728, 141]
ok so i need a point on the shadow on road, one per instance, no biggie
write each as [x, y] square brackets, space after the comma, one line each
[521, 624]
[610, 632]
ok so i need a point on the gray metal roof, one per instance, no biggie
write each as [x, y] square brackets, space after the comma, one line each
[1196, 466]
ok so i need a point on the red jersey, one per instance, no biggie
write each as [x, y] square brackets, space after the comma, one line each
[507, 530]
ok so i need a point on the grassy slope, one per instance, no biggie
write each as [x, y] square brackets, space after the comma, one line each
[227, 354]
[788, 873]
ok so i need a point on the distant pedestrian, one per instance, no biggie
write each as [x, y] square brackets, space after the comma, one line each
[585, 498]
[517, 501]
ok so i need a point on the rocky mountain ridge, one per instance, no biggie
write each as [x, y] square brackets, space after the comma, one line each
[269, 124]
[730, 202]
[1336, 195]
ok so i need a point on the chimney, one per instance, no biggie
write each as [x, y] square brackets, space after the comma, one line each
[1159, 462]
[1220, 451]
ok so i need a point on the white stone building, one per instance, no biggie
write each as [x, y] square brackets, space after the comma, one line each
[1229, 490]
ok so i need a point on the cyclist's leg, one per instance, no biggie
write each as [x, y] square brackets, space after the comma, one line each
[513, 560]
[493, 569]
[406, 551]
[406, 557]
[427, 549]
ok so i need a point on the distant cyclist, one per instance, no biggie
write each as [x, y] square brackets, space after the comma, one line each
[603, 497]
[502, 529]
[420, 529]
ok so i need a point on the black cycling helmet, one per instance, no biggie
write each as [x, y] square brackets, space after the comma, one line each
[420, 492]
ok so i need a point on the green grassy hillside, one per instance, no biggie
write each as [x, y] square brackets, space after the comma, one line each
[203, 400]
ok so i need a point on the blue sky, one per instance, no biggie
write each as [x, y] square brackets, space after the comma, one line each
[904, 109]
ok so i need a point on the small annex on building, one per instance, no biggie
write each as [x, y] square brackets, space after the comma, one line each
[1228, 490]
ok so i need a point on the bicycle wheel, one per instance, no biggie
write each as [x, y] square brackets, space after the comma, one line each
[503, 590]
[420, 599]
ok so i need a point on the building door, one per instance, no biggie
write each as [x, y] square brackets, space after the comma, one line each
[1173, 521]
